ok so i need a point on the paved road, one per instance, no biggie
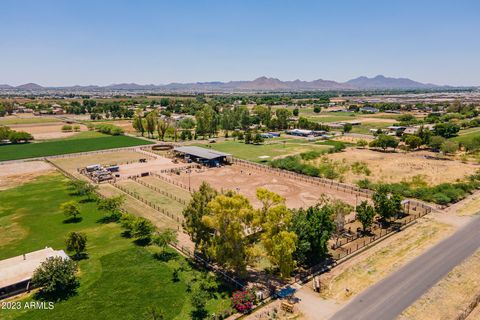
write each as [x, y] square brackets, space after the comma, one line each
[388, 298]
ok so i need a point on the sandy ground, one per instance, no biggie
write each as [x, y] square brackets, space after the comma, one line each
[467, 207]
[14, 174]
[475, 314]
[247, 180]
[154, 165]
[448, 298]
[395, 167]
[43, 131]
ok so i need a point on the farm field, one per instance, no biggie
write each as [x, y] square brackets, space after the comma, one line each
[45, 131]
[16, 120]
[32, 150]
[365, 127]
[449, 297]
[395, 167]
[272, 149]
[118, 280]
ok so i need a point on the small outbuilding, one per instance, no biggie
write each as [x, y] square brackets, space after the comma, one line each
[207, 157]
[17, 272]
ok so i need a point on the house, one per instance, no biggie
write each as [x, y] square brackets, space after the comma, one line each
[368, 110]
[17, 272]
[207, 157]
[397, 130]
[300, 132]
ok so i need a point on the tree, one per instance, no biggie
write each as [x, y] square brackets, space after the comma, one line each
[425, 134]
[282, 117]
[386, 206]
[138, 124]
[76, 242]
[384, 142]
[70, 209]
[199, 301]
[150, 123]
[142, 230]
[111, 205]
[127, 221]
[436, 143]
[449, 147]
[362, 143]
[56, 278]
[317, 109]
[248, 137]
[340, 210]
[347, 127]
[193, 213]
[162, 127]
[164, 238]
[83, 188]
[446, 130]
[277, 239]
[365, 214]
[413, 142]
[230, 217]
[296, 111]
[258, 139]
[314, 227]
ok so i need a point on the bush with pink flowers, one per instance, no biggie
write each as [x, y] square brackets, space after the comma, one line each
[243, 300]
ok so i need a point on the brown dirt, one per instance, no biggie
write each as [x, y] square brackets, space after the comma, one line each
[449, 297]
[43, 131]
[14, 174]
[247, 180]
[395, 167]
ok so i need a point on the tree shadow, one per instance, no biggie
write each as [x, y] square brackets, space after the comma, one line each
[73, 220]
[165, 256]
[86, 200]
[142, 242]
[64, 294]
[80, 256]
[109, 219]
[126, 234]
[199, 314]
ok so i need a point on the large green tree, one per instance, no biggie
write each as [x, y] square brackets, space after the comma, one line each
[193, 213]
[56, 278]
[365, 214]
[76, 242]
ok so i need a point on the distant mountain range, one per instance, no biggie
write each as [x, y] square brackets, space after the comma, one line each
[379, 82]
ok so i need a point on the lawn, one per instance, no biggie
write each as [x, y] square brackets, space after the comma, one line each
[50, 148]
[465, 136]
[365, 127]
[118, 280]
[272, 149]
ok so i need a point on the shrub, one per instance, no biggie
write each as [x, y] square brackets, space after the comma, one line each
[109, 129]
[243, 300]
[66, 128]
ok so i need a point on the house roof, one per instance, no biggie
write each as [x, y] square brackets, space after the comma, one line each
[201, 152]
[21, 268]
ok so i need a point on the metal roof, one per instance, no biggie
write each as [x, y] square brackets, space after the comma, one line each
[201, 152]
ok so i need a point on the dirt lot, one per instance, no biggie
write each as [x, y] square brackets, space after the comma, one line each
[248, 180]
[448, 298]
[14, 174]
[395, 167]
[43, 131]
[70, 164]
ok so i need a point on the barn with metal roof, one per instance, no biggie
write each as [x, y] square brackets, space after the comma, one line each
[208, 157]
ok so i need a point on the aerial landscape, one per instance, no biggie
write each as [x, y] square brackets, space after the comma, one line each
[248, 160]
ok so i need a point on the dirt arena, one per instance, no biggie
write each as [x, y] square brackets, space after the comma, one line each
[44, 131]
[247, 180]
[399, 166]
[17, 173]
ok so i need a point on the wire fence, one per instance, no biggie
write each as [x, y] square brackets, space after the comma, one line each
[162, 192]
[304, 178]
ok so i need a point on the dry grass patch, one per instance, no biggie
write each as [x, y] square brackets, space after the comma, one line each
[377, 263]
[15, 174]
[448, 298]
[399, 166]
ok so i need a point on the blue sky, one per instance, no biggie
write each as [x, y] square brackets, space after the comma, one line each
[103, 42]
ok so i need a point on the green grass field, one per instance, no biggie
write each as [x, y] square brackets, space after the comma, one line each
[365, 127]
[465, 136]
[25, 120]
[252, 152]
[51, 148]
[118, 280]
